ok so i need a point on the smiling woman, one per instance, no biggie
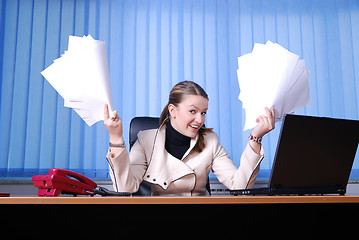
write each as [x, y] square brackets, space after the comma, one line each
[191, 112]
[190, 102]
[177, 157]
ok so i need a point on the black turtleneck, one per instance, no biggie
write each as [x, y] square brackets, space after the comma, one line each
[176, 143]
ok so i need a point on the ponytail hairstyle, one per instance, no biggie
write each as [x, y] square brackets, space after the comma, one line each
[177, 94]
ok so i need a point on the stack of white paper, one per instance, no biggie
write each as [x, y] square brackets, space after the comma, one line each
[271, 76]
[81, 77]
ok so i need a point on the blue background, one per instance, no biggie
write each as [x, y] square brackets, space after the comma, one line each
[151, 46]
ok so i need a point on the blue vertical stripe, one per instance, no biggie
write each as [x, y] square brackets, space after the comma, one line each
[152, 45]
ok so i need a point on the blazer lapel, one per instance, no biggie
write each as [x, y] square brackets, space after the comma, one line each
[192, 144]
[163, 167]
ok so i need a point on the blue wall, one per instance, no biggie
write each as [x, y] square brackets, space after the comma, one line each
[151, 46]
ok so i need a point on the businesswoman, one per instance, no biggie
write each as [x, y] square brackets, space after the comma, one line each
[177, 157]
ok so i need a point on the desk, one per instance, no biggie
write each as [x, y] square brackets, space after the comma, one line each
[301, 215]
[182, 200]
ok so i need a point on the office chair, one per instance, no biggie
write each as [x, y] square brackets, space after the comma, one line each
[139, 124]
[144, 123]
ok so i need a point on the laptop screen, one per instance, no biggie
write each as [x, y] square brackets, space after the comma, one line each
[314, 152]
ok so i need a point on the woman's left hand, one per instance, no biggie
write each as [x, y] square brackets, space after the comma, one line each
[265, 123]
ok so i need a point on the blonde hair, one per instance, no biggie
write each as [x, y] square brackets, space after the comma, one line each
[177, 94]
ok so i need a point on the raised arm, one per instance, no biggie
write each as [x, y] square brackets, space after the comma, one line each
[114, 127]
[265, 125]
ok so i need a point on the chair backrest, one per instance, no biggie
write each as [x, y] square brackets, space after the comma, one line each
[144, 123]
[139, 124]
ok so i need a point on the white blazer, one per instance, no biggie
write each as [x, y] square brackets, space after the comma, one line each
[149, 161]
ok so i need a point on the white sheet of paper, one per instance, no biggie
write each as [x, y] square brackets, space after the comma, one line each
[81, 77]
[271, 76]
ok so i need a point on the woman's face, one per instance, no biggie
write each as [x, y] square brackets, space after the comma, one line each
[189, 115]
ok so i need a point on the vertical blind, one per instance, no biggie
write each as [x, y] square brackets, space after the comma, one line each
[152, 45]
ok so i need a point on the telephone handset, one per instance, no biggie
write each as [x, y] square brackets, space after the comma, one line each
[63, 181]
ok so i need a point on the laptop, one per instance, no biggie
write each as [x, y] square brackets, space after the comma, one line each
[314, 156]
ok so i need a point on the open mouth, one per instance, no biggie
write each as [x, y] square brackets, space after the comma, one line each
[194, 127]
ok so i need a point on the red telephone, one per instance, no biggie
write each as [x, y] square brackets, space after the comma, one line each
[59, 181]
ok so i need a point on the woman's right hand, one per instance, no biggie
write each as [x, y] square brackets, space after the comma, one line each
[113, 125]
